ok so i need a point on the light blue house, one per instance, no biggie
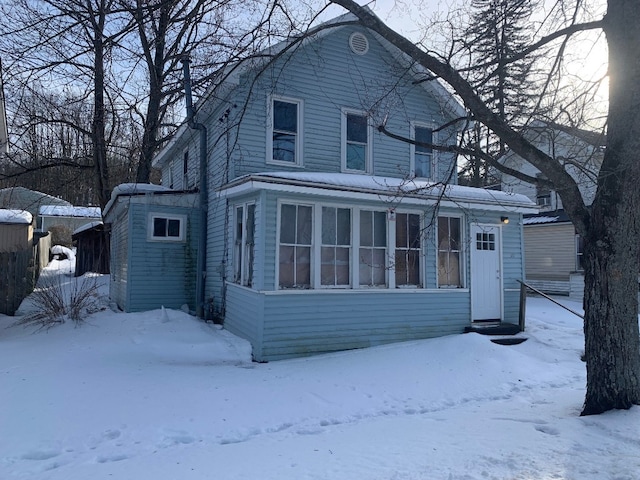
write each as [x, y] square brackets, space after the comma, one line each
[323, 233]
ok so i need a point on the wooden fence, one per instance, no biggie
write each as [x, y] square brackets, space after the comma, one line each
[18, 276]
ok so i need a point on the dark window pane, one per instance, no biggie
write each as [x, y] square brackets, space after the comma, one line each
[159, 227]
[328, 226]
[303, 266]
[356, 157]
[379, 270]
[344, 226]
[413, 267]
[356, 128]
[251, 219]
[401, 267]
[423, 135]
[380, 229]
[443, 233]
[286, 266]
[342, 266]
[173, 229]
[304, 226]
[288, 224]
[284, 147]
[402, 240]
[366, 228]
[327, 266]
[455, 233]
[414, 230]
[366, 263]
[285, 116]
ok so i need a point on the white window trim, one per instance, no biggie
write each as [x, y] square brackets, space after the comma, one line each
[312, 266]
[316, 245]
[299, 135]
[391, 249]
[412, 156]
[244, 274]
[464, 239]
[343, 145]
[182, 232]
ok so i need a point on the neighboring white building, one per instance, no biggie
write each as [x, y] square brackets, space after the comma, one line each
[553, 250]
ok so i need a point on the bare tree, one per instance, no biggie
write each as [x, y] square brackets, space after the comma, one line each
[611, 227]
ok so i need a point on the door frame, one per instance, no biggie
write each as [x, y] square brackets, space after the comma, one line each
[472, 269]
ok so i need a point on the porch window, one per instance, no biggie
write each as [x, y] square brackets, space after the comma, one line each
[167, 228]
[407, 253]
[244, 244]
[295, 246]
[373, 248]
[449, 252]
[422, 155]
[285, 144]
[356, 144]
[335, 253]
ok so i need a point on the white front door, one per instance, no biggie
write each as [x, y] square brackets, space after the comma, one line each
[486, 273]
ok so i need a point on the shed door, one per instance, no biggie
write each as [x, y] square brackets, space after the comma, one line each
[486, 273]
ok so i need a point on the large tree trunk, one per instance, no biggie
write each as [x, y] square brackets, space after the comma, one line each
[612, 339]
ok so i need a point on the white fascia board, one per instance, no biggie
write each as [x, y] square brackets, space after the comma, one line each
[255, 185]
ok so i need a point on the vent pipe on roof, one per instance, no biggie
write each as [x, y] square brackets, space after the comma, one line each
[201, 267]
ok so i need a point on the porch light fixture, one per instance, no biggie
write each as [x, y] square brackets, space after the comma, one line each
[504, 220]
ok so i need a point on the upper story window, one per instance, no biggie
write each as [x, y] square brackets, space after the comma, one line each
[422, 158]
[579, 253]
[285, 135]
[450, 252]
[169, 228]
[543, 193]
[356, 142]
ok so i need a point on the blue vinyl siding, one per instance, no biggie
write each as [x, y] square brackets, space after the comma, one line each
[301, 324]
[327, 77]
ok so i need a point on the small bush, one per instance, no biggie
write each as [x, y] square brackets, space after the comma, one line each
[55, 303]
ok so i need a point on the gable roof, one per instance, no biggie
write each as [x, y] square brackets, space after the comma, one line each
[232, 73]
[25, 199]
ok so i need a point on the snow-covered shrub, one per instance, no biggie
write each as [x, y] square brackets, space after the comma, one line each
[56, 301]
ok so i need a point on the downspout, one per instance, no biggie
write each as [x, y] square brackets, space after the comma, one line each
[201, 267]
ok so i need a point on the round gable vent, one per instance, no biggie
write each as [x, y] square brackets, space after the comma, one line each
[358, 43]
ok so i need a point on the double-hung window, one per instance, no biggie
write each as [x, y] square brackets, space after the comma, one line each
[244, 244]
[356, 143]
[335, 252]
[407, 254]
[422, 160]
[449, 252]
[373, 248]
[294, 269]
[285, 134]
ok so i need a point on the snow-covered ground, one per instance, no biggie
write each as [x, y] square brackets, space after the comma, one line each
[160, 395]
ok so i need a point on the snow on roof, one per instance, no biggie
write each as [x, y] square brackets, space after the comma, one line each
[64, 211]
[393, 186]
[15, 216]
[87, 226]
[537, 220]
[132, 189]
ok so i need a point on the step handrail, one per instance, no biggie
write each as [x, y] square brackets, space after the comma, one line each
[523, 302]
